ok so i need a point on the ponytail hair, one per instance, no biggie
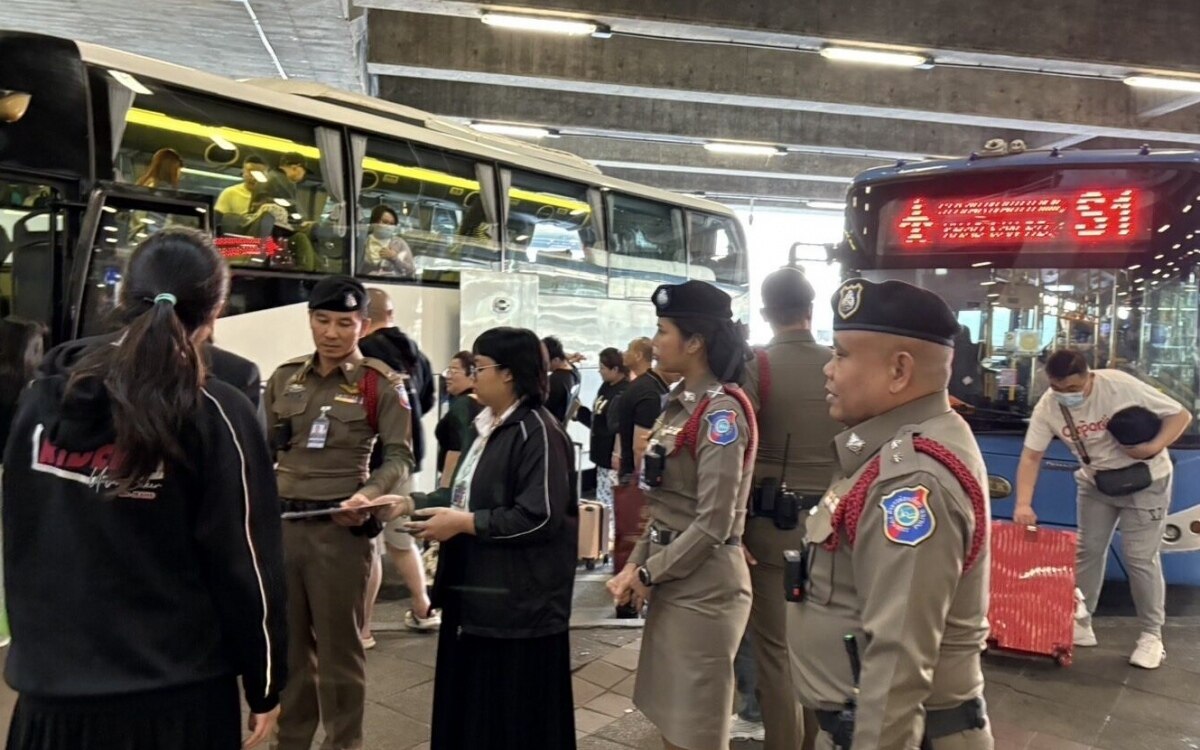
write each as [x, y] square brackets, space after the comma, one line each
[175, 283]
[724, 345]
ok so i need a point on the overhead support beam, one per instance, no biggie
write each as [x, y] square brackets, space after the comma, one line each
[640, 118]
[414, 46]
[968, 32]
[688, 182]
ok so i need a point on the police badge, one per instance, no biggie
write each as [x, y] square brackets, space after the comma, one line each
[351, 301]
[849, 299]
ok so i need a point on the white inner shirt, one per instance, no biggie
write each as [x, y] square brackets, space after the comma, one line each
[485, 425]
[1112, 391]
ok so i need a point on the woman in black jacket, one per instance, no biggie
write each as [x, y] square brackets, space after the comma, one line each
[141, 531]
[507, 565]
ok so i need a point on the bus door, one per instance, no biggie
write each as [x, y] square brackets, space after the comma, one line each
[118, 219]
[34, 226]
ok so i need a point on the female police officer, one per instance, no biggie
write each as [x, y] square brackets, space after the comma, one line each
[698, 470]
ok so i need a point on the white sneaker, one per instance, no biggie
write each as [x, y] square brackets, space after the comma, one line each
[741, 730]
[1149, 653]
[1085, 637]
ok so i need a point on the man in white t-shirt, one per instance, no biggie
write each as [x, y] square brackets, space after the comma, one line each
[1091, 398]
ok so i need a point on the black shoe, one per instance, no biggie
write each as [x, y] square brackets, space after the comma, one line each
[627, 612]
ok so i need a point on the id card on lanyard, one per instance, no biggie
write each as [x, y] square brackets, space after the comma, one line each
[319, 432]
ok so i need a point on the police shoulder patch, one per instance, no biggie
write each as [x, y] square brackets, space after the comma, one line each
[907, 517]
[722, 427]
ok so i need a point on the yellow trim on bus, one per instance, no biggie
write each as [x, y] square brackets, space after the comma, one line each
[282, 145]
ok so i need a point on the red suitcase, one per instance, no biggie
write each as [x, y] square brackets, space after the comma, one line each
[629, 517]
[1032, 608]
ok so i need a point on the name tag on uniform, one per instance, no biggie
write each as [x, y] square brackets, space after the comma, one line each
[319, 432]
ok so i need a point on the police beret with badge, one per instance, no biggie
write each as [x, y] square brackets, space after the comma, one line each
[787, 289]
[692, 299]
[894, 307]
[338, 294]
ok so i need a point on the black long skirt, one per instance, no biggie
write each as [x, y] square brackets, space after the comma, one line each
[203, 716]
[502, 693]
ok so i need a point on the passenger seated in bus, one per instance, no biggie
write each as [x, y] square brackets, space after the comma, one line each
[279, 198]
[165, 167]
[235, 200]
[386, 253]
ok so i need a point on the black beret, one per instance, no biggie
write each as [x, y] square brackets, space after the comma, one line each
[787, 289]
[692, 299]
[894, 307]
[338, 294]
[1134, 425]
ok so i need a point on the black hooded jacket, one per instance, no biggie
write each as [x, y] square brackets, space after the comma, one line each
[400, 353]
[177, 581]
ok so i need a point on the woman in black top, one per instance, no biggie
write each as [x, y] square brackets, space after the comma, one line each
[454, 428]
[602, 419]
[507, 565]
[142, 532]
[564, 380]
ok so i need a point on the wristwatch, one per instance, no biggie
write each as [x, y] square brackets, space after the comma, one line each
[644, 576]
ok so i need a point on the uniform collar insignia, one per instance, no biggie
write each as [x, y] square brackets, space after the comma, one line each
[689, 396]
[855, 444]
[849, 300]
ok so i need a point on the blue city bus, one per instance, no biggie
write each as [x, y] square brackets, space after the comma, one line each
[1089, 250]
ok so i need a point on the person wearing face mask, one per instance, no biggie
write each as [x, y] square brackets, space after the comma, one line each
[386, 253]
[1119, 485]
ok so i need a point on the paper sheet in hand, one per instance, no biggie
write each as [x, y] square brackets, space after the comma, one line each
[335, 508]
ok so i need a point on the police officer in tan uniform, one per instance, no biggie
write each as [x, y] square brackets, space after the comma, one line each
[689, 564]
[897, 553]
[787, 387]
[327, 409]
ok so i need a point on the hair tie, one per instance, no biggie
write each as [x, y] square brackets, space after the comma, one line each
[165, 297]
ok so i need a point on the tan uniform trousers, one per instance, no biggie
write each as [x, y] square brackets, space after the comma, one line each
[975, 739]
[326, 568]
[783, 720]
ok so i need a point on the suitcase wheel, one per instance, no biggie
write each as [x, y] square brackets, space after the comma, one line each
[1062, 656]
[589, 564]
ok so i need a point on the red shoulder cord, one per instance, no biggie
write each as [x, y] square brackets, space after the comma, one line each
[850, 509]
[764, 376]
[687, 436]
[369, 386]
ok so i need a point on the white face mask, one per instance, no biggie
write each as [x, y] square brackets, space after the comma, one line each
[1071, 400]
[383, 232]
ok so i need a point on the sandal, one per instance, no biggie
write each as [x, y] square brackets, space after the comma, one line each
[423, 624]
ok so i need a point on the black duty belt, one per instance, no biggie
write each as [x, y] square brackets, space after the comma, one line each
[964, 717]
[666, 536]
[303, 506]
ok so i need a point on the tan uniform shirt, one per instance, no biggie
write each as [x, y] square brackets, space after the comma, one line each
[900, 589]
[795, 406]
[296, 393]
[703, 497]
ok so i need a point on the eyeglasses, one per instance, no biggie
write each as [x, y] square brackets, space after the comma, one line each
[476, 368]
[452, 371]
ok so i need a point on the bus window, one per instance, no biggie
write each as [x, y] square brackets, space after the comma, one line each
[277, 204]
[715, 252]
[552, 229]
[647, 241]
[123, 226]
[422, 214]
[26, 252]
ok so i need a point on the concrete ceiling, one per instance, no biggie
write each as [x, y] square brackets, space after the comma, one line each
[677, 73]
[307, 39]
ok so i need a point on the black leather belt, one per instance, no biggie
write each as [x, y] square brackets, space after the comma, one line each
[964, 717]
[666, 536]
[301, 506]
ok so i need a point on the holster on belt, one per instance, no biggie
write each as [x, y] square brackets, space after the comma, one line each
[770, 499]
[964, 717]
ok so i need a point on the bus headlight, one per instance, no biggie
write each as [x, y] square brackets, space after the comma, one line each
[1172, 534]
[999, 487]
[13, 105]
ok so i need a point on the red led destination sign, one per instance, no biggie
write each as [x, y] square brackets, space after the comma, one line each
[1085, 217]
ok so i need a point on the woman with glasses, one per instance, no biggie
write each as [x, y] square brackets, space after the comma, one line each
[507, 565]
[689, 565]
[453, 430]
